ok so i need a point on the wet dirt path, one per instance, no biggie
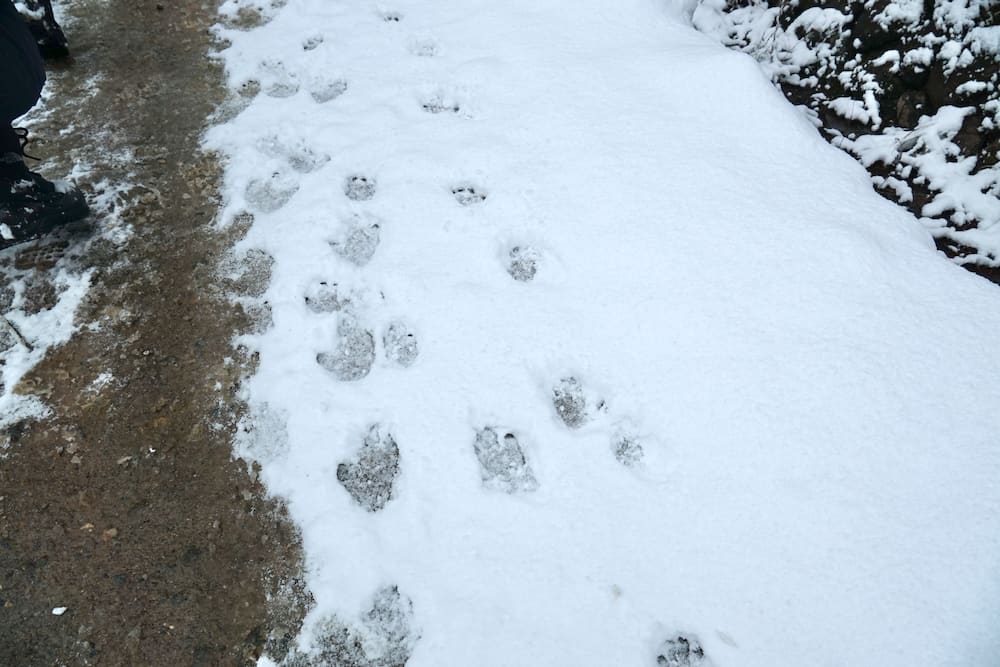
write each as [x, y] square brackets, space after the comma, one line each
[125, 506]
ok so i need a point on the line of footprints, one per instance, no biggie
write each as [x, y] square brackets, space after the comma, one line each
[369, 476]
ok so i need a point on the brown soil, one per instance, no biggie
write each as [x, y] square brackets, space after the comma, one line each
[125, 506]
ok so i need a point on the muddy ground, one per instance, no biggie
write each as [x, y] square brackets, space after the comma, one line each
[125, 506]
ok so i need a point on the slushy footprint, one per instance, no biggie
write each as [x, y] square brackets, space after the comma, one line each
[522, 263]
[681, 651]
[271, 193]
[299, 157]
[324, 297]
[359, 242]
[324, 90]
[277, 80]
[354, 354]
[384, 637]
[400, 344]
[311, 42]
[359, 187]
[369, 476]
[570, 402]
[467, 195]
[502, 463]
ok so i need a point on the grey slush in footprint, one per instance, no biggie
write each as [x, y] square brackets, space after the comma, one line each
[355, 352]
[370, 475]
[502, 463]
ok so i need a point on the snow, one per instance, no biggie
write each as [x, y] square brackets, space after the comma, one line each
[26, 337]
[967, 195]
[739, 398]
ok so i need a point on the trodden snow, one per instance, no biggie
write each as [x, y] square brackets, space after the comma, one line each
[579, 340]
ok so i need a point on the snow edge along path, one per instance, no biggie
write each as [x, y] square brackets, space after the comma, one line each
[810, 384]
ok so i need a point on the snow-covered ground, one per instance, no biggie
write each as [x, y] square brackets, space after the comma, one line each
[582, 340]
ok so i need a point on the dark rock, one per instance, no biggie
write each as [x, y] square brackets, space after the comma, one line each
[910, 106]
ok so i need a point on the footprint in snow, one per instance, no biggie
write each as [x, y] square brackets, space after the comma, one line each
[522, 263]
[502, 463]
[271, 193]
[263, 434]
[355, 352]
[627, 449]
[369, 476]
[277, 80]
[247, 273]
[359, 187]
[424, 48]
[360, 242]
[467, 195]
[323, 297]
[681, 651]
[400, 344]
[384, 637]
[570, 402]
[323, 91]
[249, 89]
[440, 104]
[299, 157]
[311, 42]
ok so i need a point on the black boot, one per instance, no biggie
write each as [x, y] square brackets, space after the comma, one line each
[47, 33]
[30, 206]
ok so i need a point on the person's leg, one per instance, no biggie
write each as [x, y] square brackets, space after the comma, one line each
[44, 28]
[30, 206]
[22, 74]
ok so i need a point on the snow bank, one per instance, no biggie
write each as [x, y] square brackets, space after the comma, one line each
[886, 80]
[585, 348]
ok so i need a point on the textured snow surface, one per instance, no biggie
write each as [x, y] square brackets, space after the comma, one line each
[737, 406]
[964, 202]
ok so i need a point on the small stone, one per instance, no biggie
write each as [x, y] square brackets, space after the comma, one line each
[58, 611]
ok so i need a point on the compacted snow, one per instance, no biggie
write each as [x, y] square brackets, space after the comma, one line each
[584, 348]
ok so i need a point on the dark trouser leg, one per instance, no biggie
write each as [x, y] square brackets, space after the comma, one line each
[22, 74]
[8, 140]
